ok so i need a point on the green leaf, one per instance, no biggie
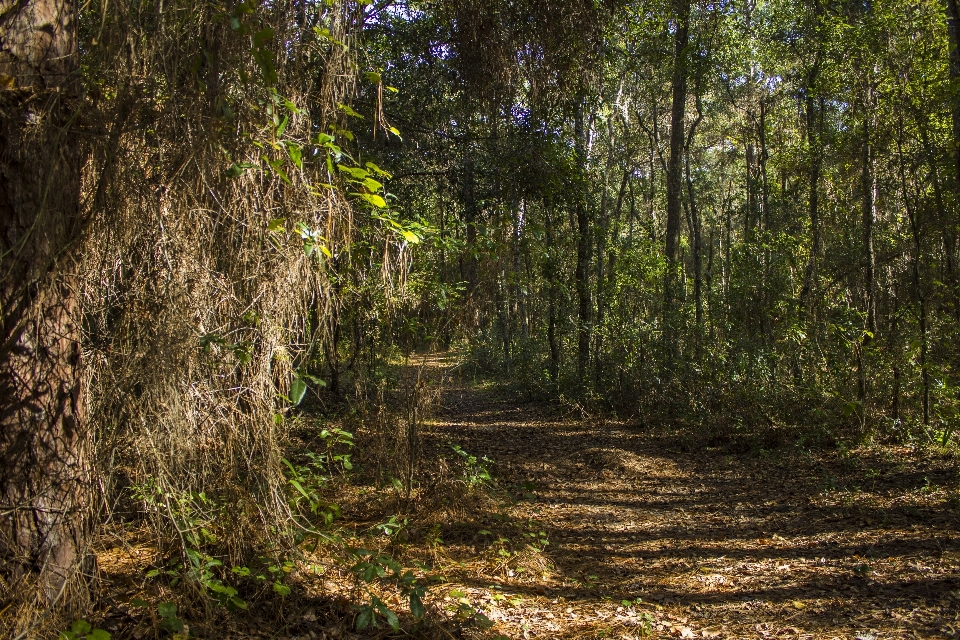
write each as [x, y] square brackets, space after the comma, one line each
[375, 200]
[296, 154]
[355, 172]
[277, 225]
[281, 589]
[369, 572]
[166, 609]
[410, 236]
[348, 110]
[395, 132]
[482, 621]
[377, 170]
[80, 627]
[297, 390]
[262, 37]
[416, 606]
[372, 76]
[299, 487]
[98, 634]
[372, 185]
[237, 170]
[364, 618]
[385, 611]
[139, 602]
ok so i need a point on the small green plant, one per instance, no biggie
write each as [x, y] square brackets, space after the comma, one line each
[646, 624]
[475, 471]
[374, 567]
[537, 540]
[82, 630]
[464, 610]
[168, 617]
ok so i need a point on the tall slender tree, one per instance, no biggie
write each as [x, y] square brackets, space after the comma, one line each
[44, 443]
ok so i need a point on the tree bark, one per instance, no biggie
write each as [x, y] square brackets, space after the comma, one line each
[953, 28]
[867, 187]
[677, 133]
[584, 242]
[45, 448]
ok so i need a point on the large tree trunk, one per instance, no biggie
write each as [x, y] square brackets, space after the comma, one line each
[44, 444]
[673, 284]
[677, 134]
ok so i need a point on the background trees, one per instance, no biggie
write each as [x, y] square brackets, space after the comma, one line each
[773, 160]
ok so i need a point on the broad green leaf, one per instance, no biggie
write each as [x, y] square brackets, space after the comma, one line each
[372, 185]
[416, 606]
[80, 627]
[297, 390]
[355, 172]
[262, 37]
[281, 589]
[374, 199]
[410, 236]
[372, 76]
[296, 154]
[277, 225]
[348, 110]
[395, 132]
[364, 618]
[377, 170]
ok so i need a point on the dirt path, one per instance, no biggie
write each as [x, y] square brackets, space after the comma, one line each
[701, 543]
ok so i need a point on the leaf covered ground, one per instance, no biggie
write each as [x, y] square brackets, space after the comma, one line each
[591, 528]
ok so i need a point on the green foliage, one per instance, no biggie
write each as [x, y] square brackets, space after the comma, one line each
[81, 630]
[475, 470]
[372, 567]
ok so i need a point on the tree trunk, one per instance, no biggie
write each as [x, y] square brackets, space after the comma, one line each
[677, 133]
[672, 282]
[953, 28]
[584, 242]
[867, 187]
[45, 448]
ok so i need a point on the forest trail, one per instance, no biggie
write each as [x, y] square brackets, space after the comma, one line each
[704, 543]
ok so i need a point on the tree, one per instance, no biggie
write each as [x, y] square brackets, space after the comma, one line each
[44, 443]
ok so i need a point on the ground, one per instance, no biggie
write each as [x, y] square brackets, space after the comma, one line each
[602, 528]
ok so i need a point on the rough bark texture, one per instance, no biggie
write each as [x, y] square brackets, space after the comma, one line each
[44, 446]
[677, 132]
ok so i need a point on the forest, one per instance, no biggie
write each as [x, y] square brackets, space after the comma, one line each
[479, 319]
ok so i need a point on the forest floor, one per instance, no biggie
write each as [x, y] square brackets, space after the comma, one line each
[599, 528]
